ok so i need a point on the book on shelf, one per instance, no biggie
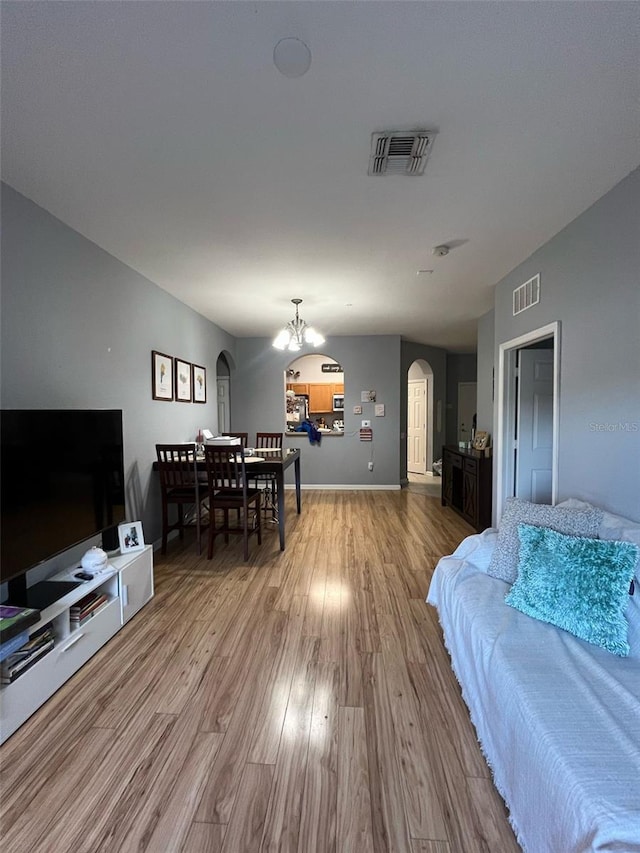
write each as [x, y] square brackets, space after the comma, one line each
[12, 645]
[19, 661]
[86, 608]
[15, 620]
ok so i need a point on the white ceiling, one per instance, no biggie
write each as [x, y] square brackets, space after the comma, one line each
[164, 133]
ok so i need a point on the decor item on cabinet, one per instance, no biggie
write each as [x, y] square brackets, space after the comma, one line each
[199, 384]
[162, 376]
[95, 560]
[183, 381]
[131, 536]
[481, 440]
[297, 333]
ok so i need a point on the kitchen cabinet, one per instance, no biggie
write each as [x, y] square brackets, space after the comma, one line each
[298, 387]
[320, 397]
[337, 389]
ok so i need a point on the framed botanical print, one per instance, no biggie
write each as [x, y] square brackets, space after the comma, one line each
[183, 381]
[199, 384]
[161, 376]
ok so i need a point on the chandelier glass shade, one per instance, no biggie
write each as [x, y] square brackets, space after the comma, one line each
[297, 333]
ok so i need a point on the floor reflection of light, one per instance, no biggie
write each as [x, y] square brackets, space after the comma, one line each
[331, 594]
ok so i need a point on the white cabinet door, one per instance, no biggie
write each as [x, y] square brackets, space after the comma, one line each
[136, 584]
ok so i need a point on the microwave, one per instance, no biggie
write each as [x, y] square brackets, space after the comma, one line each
[338, 402]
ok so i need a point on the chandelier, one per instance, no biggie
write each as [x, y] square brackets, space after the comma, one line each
[296, 333]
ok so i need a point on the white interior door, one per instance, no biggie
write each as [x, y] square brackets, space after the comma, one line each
[467, 403]
[534, 435]
[224, 414]
[417, 427]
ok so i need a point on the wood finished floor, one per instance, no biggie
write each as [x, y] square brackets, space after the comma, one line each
[302, 701]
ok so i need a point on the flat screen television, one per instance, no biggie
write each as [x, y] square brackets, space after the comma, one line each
[61, 482]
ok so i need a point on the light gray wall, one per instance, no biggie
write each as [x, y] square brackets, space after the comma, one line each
[461, 367]
[589, 282]
[369, 363]
[78, 328]
[485, 379]
[437, 360]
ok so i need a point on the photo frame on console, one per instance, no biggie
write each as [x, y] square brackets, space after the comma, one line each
[130, 536]
[481, 441]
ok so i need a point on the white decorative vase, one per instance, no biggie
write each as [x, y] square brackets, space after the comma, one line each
[95, 560]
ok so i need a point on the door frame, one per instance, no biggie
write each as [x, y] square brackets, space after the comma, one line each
[507, 401]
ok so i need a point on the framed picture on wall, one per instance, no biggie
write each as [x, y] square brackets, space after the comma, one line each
[161, 376]
[199, 384]
[183, 381]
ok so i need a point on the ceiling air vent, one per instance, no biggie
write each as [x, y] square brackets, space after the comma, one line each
[400, 152]
[526, 295]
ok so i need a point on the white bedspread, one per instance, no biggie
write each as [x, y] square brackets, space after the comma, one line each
[557, 718]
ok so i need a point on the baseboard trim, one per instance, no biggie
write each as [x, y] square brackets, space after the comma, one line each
[391, 487]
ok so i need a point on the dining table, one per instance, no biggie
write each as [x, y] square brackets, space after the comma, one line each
[272, 461]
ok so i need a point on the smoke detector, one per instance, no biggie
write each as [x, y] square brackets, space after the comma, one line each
[440, 251]
[400, 152]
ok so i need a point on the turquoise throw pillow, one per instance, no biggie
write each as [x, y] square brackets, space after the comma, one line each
[576, 583]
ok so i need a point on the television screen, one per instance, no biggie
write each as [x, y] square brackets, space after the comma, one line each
[62, 481]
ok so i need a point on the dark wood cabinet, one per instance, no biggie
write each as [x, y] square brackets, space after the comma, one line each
[466, 485]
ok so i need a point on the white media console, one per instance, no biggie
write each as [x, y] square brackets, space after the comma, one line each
[127, 584]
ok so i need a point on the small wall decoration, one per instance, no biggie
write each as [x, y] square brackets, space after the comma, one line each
[199, 384]
[330, 368]
[367, 396]
[481, 441]
[357, 410]
[379, 410]
[161, 376]
[130, 536]
[183, 381]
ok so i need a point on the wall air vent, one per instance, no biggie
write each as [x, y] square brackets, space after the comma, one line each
[526, 295]
[400, 152]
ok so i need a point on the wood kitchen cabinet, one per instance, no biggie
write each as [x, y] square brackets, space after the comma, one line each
[320, 397]
[466, 485]
[298, 387]
[337, 389]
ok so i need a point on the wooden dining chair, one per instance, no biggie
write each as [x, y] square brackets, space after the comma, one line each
[269, 504]
[179, 485]
[228, 489]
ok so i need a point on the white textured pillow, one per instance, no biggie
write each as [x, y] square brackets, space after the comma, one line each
[612, 527]
[571, 522]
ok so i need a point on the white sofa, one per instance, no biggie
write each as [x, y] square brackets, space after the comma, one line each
[558, 719]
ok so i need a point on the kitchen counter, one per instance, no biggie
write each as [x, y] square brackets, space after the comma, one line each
[323, 432]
